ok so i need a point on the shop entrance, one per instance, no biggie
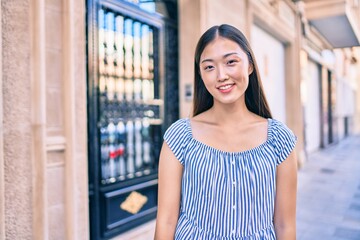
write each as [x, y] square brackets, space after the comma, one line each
[132, 97]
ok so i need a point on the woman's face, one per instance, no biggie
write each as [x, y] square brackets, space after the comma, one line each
[225, 69]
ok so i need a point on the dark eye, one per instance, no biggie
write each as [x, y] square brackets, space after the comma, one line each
[232, 61]
[208, 67]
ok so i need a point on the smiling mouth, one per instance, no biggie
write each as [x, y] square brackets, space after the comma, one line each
[225, 87]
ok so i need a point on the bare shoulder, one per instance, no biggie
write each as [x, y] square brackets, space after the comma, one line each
[202, 120]
[202, 117]
[259, 119]
[256, 126]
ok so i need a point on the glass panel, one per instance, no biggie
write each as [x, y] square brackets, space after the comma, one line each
[129, 114]
[153, 6]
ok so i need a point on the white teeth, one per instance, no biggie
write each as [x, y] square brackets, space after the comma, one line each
[225, 87]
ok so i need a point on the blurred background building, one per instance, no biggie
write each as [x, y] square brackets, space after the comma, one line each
[89, 87]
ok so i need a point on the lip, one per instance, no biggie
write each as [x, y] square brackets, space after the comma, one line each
[225, 88]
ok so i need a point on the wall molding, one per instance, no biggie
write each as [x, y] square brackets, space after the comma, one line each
[56, 143]
[69, 120]
[38, 97]
[2, 190]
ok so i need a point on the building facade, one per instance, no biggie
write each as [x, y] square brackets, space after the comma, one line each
[61, 81]
[328, 89]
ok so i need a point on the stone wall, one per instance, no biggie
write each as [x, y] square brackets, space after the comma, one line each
[16, 104]
[43, 140]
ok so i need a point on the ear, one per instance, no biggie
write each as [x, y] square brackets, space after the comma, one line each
[251, 68]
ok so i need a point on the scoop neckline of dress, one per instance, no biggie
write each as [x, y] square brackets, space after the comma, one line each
[250, 150]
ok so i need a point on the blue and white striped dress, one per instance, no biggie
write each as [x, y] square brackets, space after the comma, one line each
[228, 195]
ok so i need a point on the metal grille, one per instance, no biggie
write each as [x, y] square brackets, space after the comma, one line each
[129, 104]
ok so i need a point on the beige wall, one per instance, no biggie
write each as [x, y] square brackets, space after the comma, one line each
[44, 129]
[16, 106]
[2, 196]
[225, 11]
[357, 79]
[189, 31]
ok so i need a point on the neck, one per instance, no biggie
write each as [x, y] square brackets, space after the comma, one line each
[231, 113]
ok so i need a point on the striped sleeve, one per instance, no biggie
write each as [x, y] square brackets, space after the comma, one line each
[284, 141]
[175, 138]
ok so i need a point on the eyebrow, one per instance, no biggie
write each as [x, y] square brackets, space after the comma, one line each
[225, 56]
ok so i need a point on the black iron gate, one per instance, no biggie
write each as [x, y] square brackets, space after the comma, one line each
[132, 99]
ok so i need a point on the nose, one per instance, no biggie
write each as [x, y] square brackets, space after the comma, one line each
[221, 74]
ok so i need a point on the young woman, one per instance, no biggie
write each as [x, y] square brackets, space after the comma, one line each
[228, 172]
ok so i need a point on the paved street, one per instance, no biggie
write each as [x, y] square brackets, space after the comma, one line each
[329, 193]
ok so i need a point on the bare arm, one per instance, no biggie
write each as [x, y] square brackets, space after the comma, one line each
[170, 174]
[285, 201]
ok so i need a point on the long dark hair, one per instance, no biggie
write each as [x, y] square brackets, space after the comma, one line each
[255, 99]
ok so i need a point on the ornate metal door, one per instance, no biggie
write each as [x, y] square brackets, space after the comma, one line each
[132, 96]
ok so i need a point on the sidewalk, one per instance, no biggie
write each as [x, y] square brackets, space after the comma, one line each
[329, 193]
[143, 232]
